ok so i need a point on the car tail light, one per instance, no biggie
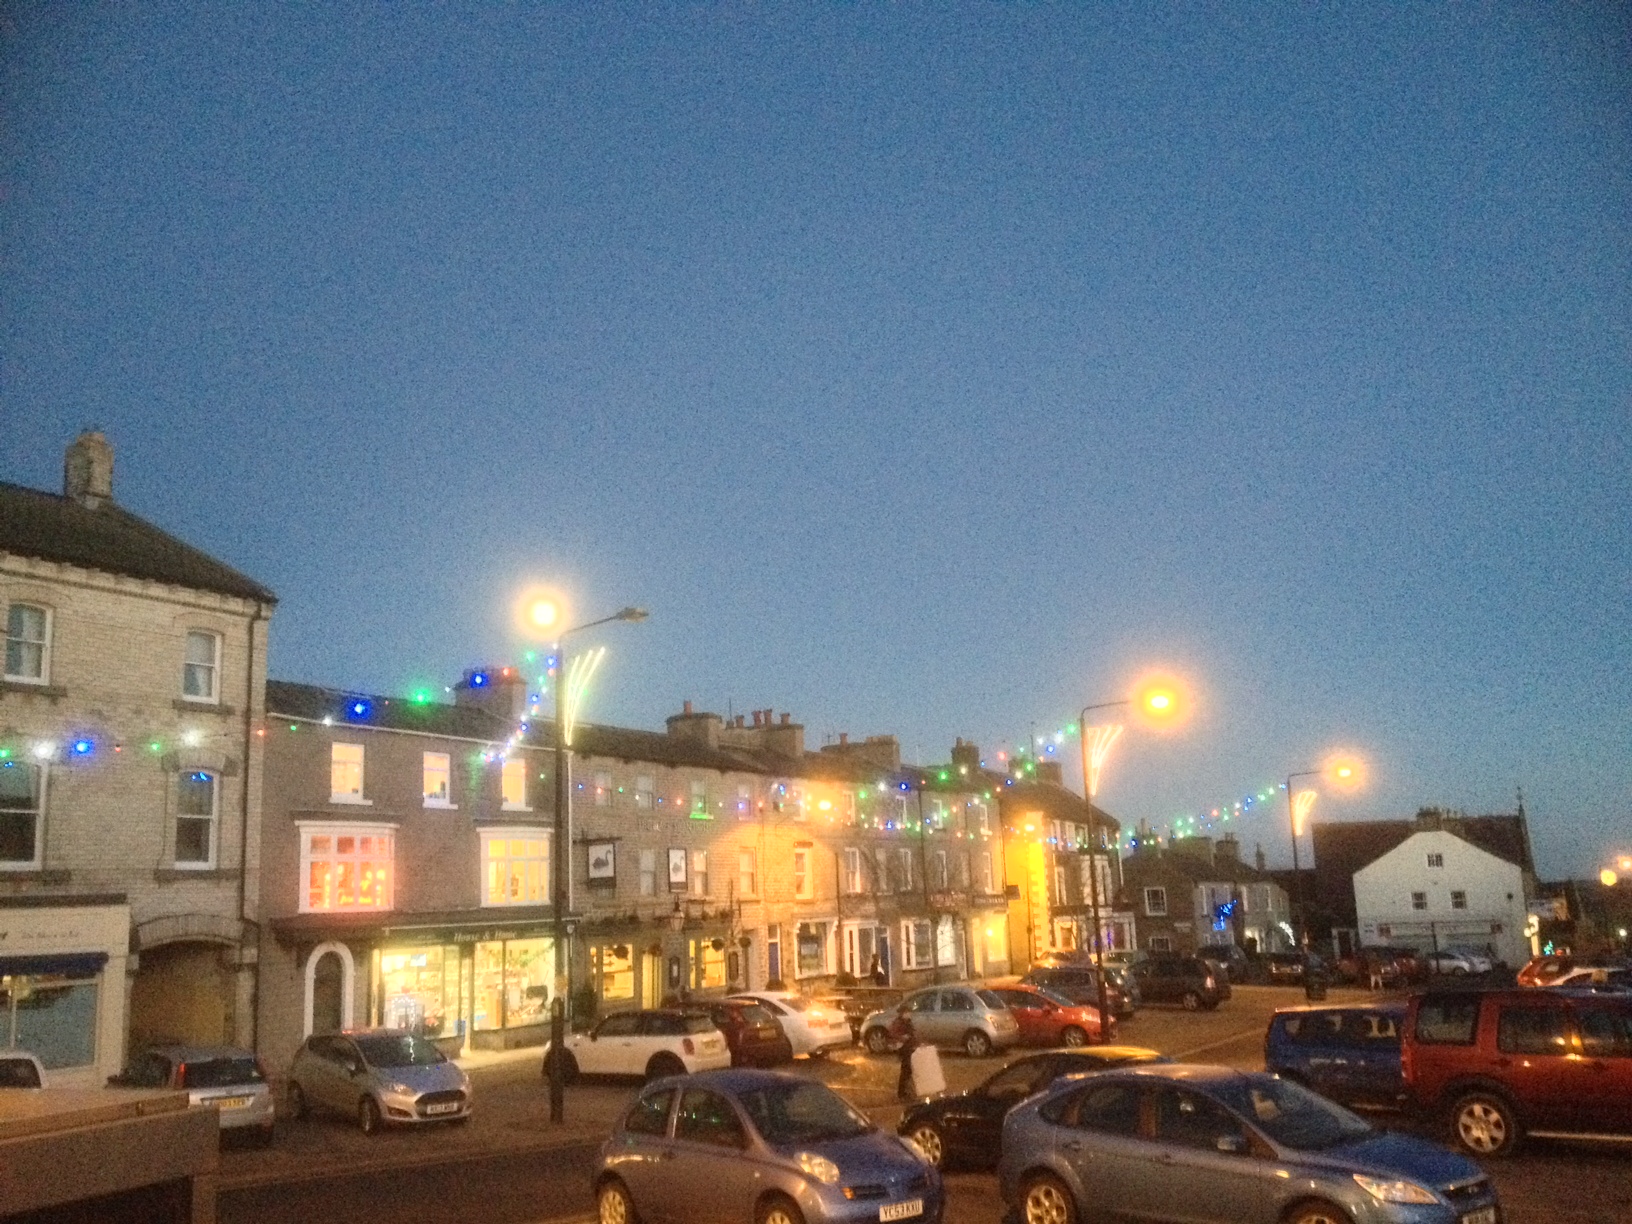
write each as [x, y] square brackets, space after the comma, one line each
[1210, 983]
[689, 1046]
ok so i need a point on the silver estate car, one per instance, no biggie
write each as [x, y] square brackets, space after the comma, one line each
[758, 1147]
[953, 1017]
[224, 1077]
[378, 1076]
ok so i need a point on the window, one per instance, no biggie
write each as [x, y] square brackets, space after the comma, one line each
[699, 796]
[1156, 902]
[516, 864]
[917, 943]
[1191, 1120]
[1436, 860]
[196, 796]
[1533, 1030]
[648, 873]
[745, 802]
[438, 774]
[803, 885]
[1419, 901]
[644, 787]
[28, 643]
[650, 1114]
[811, 949]
[345, 868]
[747, 872]
[603, 789]
[941, 879]
[852, 869]
[1447, 1021]
[1060, 897]
[52, 1015]
[1161, 943]
[513, 784]
[699, 873]
[22, 789]
[982, 816]
[903, 858]
[200, 672]
[346, 773]
[1459, 899]
[1605, 1034]
[707, 1117]
[1113, 1108]
[707, 964]
[985, 861]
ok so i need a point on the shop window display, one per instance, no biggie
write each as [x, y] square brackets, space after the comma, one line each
[512, 985]
[421, 990]
[616, 972]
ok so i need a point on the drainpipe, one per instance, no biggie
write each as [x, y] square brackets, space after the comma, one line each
[243, 835]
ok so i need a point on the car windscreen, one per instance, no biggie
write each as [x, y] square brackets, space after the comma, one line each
[795, 1113]
[991, 999]
[755, 1015]
[399, 1051]
[220, 1072]
[1292, 1115]
[697, 1024]
[1058, 1000]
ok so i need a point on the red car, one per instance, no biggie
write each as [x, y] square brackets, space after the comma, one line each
[1545, 970]
[754, 1036]
[1048, 1019]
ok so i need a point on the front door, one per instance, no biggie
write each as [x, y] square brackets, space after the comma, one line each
[651, 979]
[884, 952]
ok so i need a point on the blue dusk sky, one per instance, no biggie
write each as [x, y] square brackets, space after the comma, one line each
[928, 370]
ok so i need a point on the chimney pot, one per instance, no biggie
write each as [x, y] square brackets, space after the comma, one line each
[87, 469]
[787, 719]
[844, 738]
[685, 707]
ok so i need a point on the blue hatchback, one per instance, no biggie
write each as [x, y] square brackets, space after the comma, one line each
[1213, 1145]
[1349, 1054]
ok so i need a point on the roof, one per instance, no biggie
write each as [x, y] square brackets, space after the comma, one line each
[1055, 802]
[741, 1079]
[309, 701]
[51, 527]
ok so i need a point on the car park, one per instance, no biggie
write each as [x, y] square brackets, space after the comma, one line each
[762, 1146]
[966, 1128]
[1349, 1054]
[1498, 1065]
[226, 1078]
[378, 1077]
[1080, 984]
[651, 1043]
[754, 1036]
[1048, 1019]
[1187, 981]
[20, 1069]
[1213, 1144]
[963, 1018]
[812, 1028]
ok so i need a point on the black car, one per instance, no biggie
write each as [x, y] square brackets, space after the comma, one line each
[1228, 958]
[1186, 980]
[967, 1127]
[1080, 984]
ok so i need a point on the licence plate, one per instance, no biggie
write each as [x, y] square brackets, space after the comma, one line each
[448, 1107]
[906, 1210]
[1485, 1215]
[232, 1102]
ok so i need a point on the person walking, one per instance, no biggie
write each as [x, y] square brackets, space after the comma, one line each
[901, 1031]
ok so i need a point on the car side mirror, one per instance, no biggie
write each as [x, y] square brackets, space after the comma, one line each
[353, 1067]
[593, 1035]
[1234, 1145]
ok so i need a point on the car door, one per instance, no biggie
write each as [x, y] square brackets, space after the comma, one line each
[1104, 1144]
[1186, 1174]
[1606, 1048]
[349, 1077]
[973, 1123]
[319, 1070]
[1325, 1062]
[1032, 1013]
[713, 1176]
[1535, 1045]
[646, 1152]
[956, 1013]
[1371, 1044]
[607, 1051]
[920, 1009]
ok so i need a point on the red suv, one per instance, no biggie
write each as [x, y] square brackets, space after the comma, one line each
[1503, 1063]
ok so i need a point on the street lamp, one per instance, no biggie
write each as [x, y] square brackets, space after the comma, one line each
[542, 613]
[1340, 773]
[1158, 702]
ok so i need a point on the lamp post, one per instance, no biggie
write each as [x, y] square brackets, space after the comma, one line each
[544, 613]
[1297, 811]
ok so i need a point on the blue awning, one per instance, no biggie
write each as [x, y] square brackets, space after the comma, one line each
[71, 964]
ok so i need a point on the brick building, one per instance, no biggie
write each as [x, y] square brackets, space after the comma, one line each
[129, 778]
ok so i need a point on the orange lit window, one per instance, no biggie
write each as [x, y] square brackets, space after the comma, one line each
[346, 868]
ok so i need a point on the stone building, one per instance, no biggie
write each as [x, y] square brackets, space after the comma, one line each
[129, 778]
[1193, 892]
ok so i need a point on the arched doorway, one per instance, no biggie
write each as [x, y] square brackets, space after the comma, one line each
[183, 994]
[330, 985]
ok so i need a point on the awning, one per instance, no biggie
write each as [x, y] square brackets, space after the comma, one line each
[73, 964]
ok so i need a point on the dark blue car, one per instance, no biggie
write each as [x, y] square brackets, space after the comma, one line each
[1349, 1054]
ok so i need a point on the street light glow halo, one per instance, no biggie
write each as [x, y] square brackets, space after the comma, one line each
[1344, 771]
[541, 612]
[1161, 702]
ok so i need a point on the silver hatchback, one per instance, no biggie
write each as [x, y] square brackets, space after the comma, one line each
[227, 1079]
[378, 1076]
[963, 1018]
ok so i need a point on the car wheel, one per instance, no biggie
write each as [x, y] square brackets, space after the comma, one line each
[1072, 1037]
[613, 1204]
[976, 1044]
[1483, 1124]
[569, 1066]
[1459, 971]
[664, 1064]
[928, 1138]
[368, 1116]
[1317, 1213]
[1192, 1001]
[1045, 1199]
[779, 1209]
[877, 1041]
[298, 1108]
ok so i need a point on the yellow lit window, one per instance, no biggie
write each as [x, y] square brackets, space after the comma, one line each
[345, 772]
[438, 778]
[515, 783]
[516, 863]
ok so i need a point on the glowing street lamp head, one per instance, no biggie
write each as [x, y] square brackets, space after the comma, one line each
[541, 613]
[1344, 773]
[1608, 878]
[1160, 702]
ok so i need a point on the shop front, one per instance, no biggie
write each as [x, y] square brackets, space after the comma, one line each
[482, 988]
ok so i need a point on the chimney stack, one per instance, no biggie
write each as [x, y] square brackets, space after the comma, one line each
[87, 470]
[844, 738]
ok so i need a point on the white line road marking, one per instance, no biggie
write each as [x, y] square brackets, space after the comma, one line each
[1213, 1045]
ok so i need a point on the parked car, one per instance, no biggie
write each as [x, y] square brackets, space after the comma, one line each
[230, 1079]
[1452, 962]
[1212, 1144]
[378, 1076]
[1121, 977]
[1048, 1019]
[1287, 968]
[953, 1017]
[20, 1069]
[1186, 980]
[1348, 1054]
[1080, 984]
[1501, 1064]
[1388, 967]
[1228, 961]
[754, 1036]
[1544, 970]
[812, 1027]
[857, 1003]
[967, 1127]
[1595, 975]
[652, 1043]
[764, 1146]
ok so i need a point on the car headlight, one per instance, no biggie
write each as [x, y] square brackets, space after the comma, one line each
[1394, 1191]
[399, 1089]
[819, 1167]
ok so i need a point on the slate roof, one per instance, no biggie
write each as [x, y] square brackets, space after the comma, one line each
[1055, 802]
[51, 527]
[310, 701]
